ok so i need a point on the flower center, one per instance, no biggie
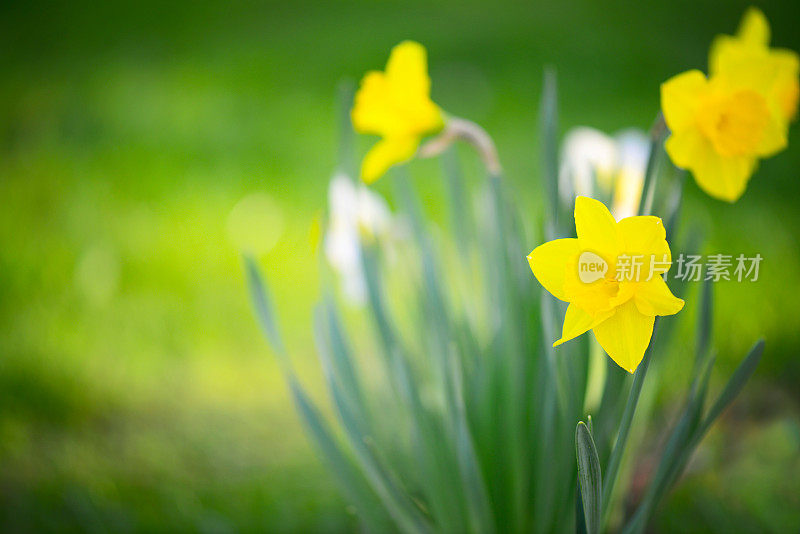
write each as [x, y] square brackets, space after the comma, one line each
[735, 124]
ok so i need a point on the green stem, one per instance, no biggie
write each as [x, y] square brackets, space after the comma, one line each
[615, 460]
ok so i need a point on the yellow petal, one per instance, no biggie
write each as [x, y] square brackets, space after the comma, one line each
[774, 137]
[680, 96]
[724, 178]
[407, 69]
[754, 28]
[786, 91]
[686, 147]
[655, 298]
[577, 321]
[625, 335]
[596, 229]
[645, 236]
[397, 103]
[550, 263]
[385, 153]
[372, 112]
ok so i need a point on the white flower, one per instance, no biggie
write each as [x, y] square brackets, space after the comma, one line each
[587, 155]
[596, 165]
[355, 213]
[633, 149]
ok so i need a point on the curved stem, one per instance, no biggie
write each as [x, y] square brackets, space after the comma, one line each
[470, 132]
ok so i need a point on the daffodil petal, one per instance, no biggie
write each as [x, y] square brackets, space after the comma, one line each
[679, 98]
[625, 335]
[577, 321]
[786, 90]
[372, 106]
[385, 153]
[754, 28]
[724, 178]
[596, 229]
[407, 68]
[550, 262]
[775, 135]
[645, 236]
[686, 147]
[654, 298]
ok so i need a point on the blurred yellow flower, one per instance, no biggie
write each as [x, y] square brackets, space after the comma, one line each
[611, 275]
[750, 45]
[722, 125]
[396, 105]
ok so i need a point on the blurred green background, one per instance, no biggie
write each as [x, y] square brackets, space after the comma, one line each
[135, 390]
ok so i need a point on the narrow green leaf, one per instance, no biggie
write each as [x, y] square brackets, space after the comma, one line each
[675, 204]
[657, 135]
[353, 483]
[689, 432]
[670, 458]
[625, 425]
[342, 355]
[589, 478]
[704, 325]
[397, 502]
[432, 455]
[734, 386]
[580, 518]
[355, 487]
[479, 507]
[461, 220]
[259, 295]
[548, 136]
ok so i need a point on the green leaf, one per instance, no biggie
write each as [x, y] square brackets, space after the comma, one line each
[675, 204]
[432, 454]
[259, 295]
[615, 459]
[479, 507]
[734, 386]
[398, 503]
[589, 478]
[461, 220]
[548, 135]
[704, 325]
[657, 134]
[355, 487]
[689, 432]
[342, 361]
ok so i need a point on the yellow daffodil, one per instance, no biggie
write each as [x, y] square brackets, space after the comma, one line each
[722, 125]
[611, 275]
[750, 45]
[396, 105]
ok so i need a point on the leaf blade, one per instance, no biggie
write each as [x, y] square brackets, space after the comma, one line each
[589, 478]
